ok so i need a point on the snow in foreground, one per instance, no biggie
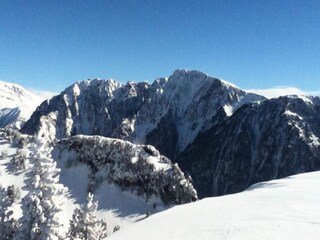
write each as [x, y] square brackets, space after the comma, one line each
[281, 209]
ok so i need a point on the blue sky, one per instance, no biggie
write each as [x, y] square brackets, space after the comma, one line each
[48, 45]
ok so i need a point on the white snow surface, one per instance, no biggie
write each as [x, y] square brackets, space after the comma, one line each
[289, 113]
[16, 104]
[280, 209]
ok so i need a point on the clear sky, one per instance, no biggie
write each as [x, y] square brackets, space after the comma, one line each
[49, 44]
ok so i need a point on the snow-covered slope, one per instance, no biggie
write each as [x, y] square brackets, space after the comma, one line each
[16, 104]
[168, 114]
[281, 209]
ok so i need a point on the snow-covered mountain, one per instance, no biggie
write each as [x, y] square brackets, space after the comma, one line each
[16, 105]
[168, 114]
[262, 141]
[280, 209]
[225, 138]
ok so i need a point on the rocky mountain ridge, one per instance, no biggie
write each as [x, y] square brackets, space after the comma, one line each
[263, 141]
[186, 103]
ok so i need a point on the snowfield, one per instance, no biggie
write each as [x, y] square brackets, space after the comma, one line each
[281, 209]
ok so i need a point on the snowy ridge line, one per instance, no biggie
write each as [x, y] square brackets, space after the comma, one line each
[139, 168]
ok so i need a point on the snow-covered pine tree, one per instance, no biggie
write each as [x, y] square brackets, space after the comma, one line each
[8, 225]
[43, 201]
[76, 226]
[23, 154]
[19, 160]
[85, 225]
[12, 193]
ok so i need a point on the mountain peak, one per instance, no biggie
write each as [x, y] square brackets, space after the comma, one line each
[11, 90]
[179, 73]
[197, 76]
[191, 76]
[16, 104]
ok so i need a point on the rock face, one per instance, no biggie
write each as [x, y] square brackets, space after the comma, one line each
[273, 139]
[138, 168]
[169, 113]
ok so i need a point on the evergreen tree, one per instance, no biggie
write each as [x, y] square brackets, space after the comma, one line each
[8, 225]
[76, 226]
[12, 193]
[43, 201]
[85, 225]
[19, 160]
